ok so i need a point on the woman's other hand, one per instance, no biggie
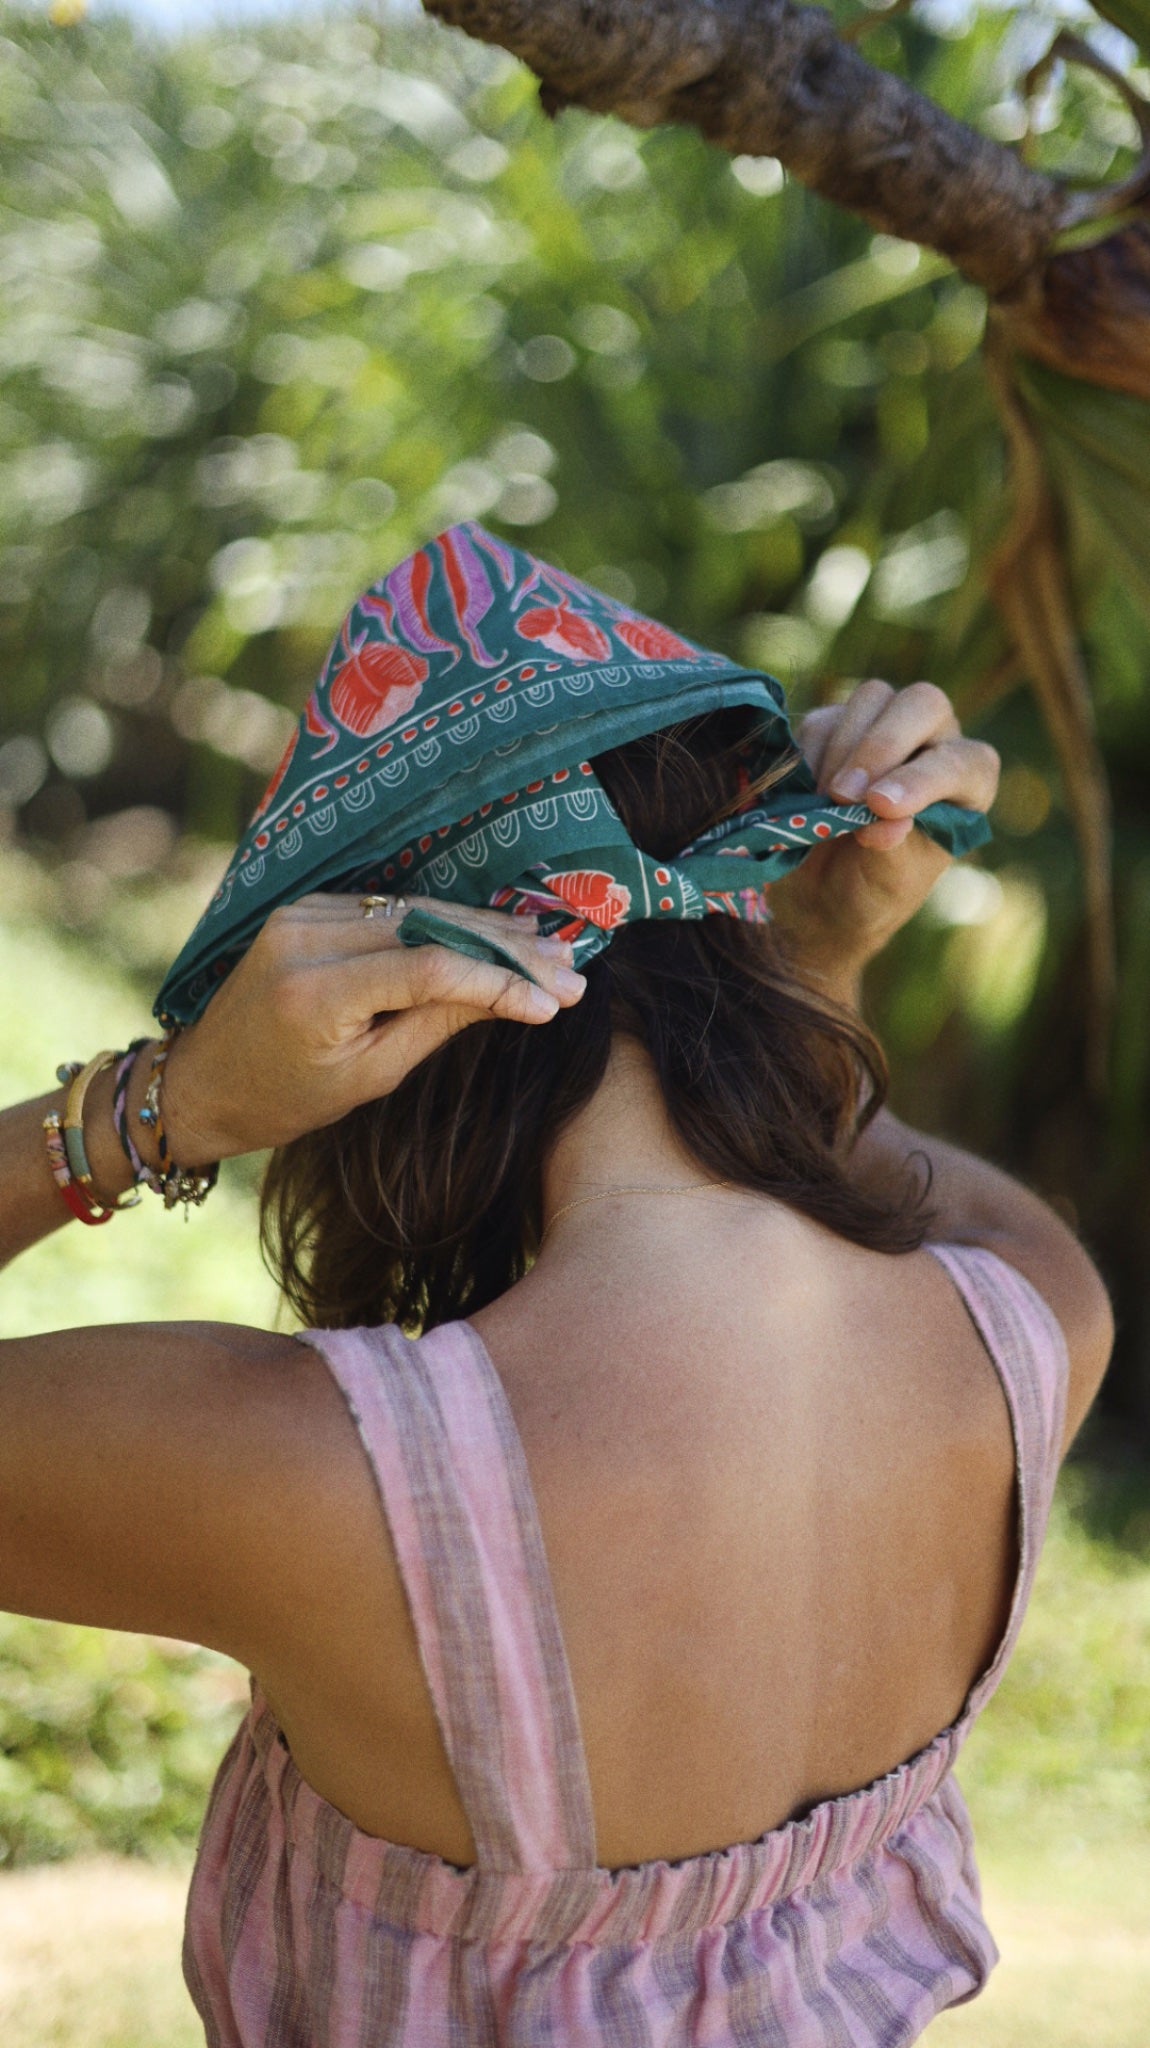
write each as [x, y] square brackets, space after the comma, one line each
[328, 1009]
[896, 751]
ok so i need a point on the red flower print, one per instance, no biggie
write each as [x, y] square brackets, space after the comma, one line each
[565, 632]
[272, 789]
[597, 897]
[376, 687]
[654, 643]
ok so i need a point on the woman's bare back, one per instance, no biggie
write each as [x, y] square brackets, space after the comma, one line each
[775, 1480]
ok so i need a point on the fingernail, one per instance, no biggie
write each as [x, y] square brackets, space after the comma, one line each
[849, 785]
[570, 983]
[893, 791]
[541, 1004]
[555, 949]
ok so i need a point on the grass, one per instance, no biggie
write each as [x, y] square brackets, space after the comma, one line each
[89, 1957]
[109, 1741]
[1074, 1932]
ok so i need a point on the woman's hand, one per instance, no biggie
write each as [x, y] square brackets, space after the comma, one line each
[896, 751]
[328, 1009]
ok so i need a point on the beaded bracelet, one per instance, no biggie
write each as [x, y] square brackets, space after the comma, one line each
[150, 1113]
[83, 1206]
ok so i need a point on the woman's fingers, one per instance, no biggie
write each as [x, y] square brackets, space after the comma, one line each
[868, 703]
[343, 907]
[325, 930]
[877, 735]
[814, 733]
[957, 771]
[409, 978]
[405, 1041]
[884, 835]
[897, 752]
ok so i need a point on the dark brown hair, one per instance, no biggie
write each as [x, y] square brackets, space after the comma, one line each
[426, 1205]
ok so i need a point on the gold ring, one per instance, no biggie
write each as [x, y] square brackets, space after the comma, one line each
[388, 904]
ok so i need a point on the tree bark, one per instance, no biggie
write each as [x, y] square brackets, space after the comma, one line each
[1087, 312]
[768, 78]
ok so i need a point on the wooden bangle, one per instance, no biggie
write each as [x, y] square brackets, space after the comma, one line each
[73, 1122]
[73, 1131]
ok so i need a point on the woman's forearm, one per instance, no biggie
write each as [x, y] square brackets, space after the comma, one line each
[31, 1205]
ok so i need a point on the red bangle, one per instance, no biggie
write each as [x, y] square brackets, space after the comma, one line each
[82, 1206]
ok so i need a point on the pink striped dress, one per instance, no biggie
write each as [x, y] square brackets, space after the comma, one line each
[850, 1928]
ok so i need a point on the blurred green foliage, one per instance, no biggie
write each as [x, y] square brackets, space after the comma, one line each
[275, 305]
[208, 1268]
[106, 1741]
[1064, 1752]
[276, 301]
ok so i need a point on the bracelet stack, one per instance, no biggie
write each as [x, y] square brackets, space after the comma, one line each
[173, 1182]
[67, 1155]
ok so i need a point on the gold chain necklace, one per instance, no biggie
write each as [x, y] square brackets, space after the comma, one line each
[604, 1194]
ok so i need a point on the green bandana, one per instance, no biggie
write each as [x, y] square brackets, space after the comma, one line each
[445, 752]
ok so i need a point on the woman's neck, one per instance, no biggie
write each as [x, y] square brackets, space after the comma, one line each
[622, 1138]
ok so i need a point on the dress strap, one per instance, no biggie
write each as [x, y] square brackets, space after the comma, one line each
[1028, 1350]
[449, 1466]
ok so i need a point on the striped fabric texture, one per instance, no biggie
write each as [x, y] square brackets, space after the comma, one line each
[851, 1928]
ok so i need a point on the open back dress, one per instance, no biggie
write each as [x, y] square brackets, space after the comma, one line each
[850, 1928]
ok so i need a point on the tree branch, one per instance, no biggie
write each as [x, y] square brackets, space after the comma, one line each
[768, 78]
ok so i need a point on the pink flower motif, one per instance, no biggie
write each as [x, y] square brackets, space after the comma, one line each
[565, 632]
[375, 687]
[653, 642]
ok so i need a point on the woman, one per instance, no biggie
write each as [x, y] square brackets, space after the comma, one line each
[612, 1641]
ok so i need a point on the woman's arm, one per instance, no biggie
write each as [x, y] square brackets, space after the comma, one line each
[976, 1203]
[168, 1477]
[31, 1206]
[838, 912]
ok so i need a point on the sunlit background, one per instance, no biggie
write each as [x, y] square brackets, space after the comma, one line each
[281, 292]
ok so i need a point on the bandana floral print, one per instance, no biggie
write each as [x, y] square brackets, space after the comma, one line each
[446, 751]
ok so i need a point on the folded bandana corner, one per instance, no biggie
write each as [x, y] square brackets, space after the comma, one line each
[446, 752]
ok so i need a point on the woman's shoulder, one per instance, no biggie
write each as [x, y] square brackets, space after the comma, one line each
[1046, 1300]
